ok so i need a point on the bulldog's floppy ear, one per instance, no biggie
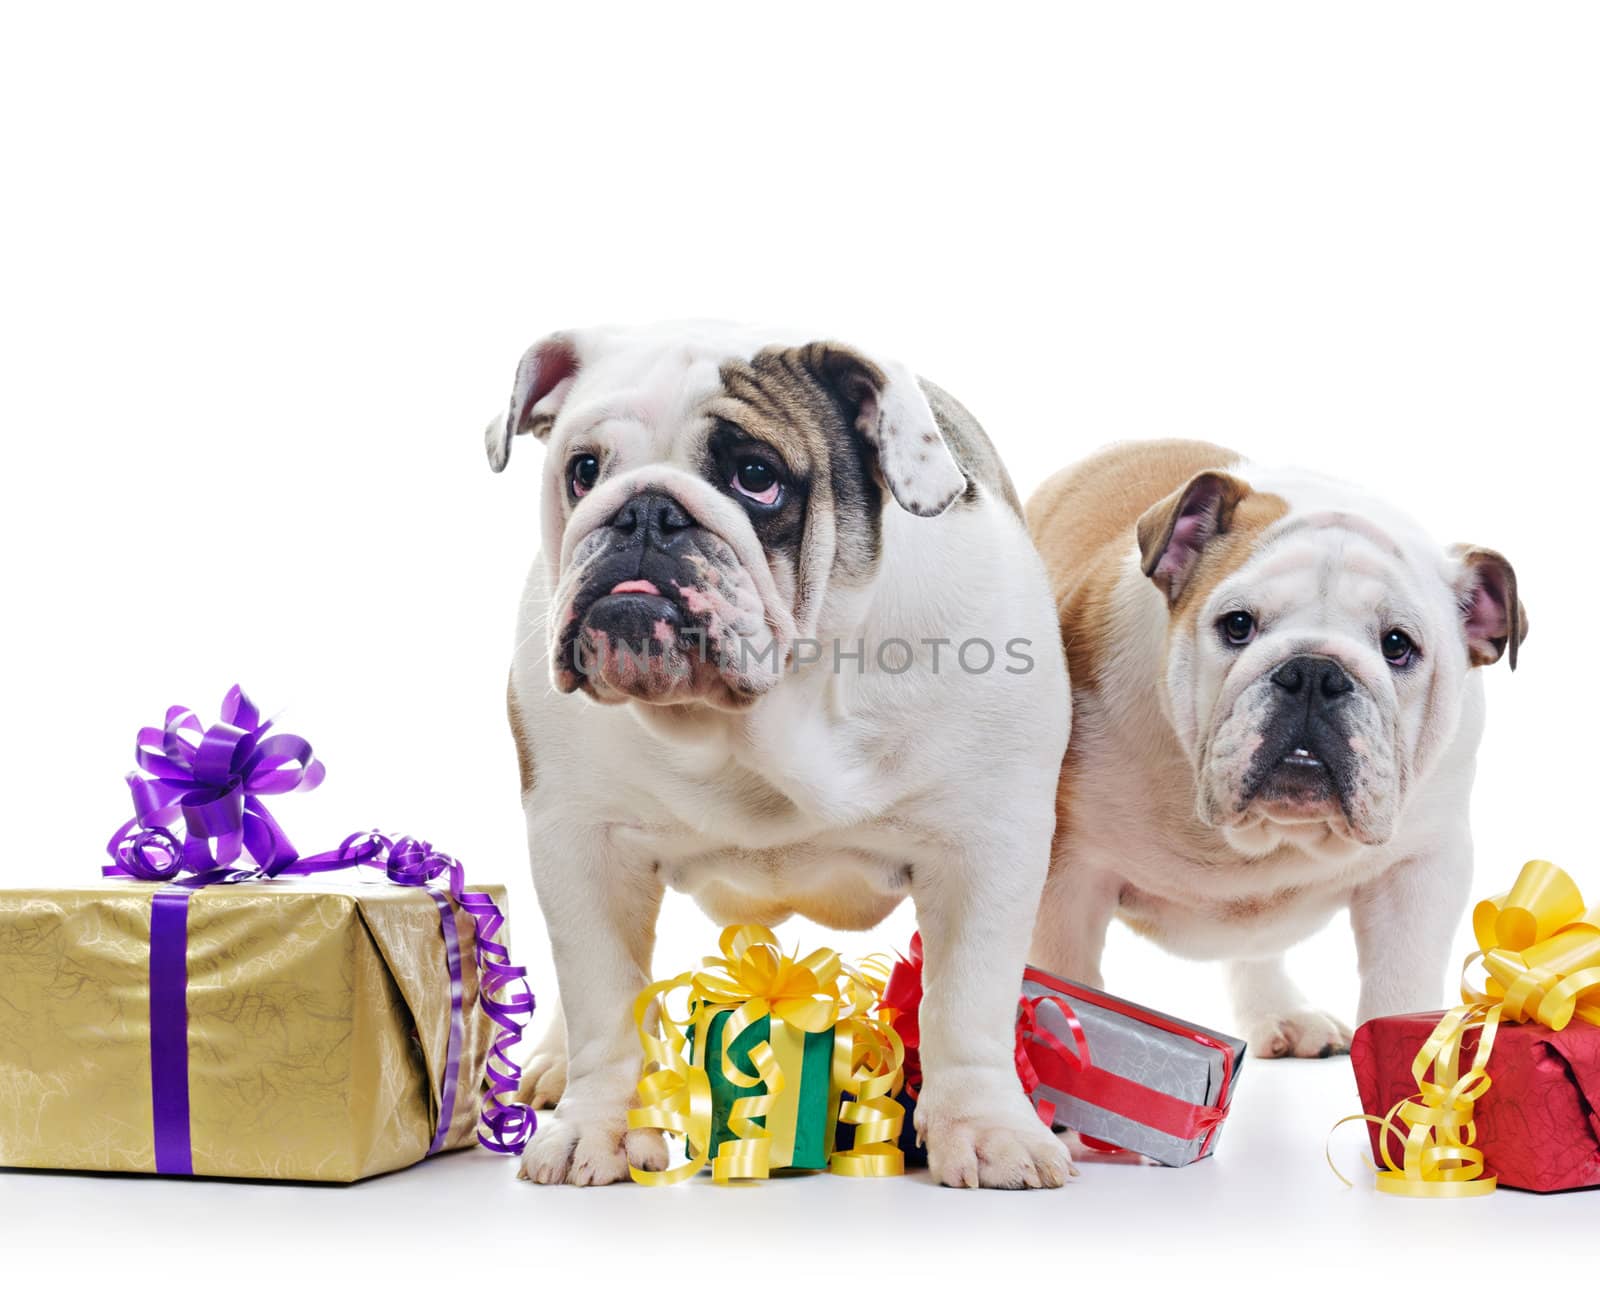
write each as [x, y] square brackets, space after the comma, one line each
[544, 377]
[1174, 531]
[1486, 591]
[892, 414]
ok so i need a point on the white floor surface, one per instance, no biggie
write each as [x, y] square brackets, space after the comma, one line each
[1262, 1217]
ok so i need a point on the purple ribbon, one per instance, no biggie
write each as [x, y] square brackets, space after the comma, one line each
[213, 780]
[169, 1029]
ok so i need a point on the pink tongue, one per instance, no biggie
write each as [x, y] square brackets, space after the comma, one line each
[637, 585]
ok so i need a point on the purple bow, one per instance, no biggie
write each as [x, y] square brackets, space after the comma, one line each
[213, 779]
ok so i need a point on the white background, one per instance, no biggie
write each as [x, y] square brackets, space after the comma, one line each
[267, 273]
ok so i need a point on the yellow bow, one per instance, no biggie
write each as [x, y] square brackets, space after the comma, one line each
[1541, 951]
[751, 979]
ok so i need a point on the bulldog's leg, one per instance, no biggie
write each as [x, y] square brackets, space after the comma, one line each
[600, 905]
[1274, 1016]
[975, 909]
[544, 1075]
[1404, 924]
[1075, 912]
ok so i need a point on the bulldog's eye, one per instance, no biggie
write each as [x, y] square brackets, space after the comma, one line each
[1398, 649]
[758, 480]
[582, 472]
[1238, 627]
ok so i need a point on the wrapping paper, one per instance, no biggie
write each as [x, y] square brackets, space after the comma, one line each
[318, 1024]
[1538, 1128]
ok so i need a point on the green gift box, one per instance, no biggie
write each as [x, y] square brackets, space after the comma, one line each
[808, 1055]
[802, 1122]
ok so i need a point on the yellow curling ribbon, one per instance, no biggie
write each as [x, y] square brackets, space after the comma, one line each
[1540, 948]
[753, 979]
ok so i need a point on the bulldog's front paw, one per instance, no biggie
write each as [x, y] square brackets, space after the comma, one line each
[976, 1138]
[544, 1079]
[590, 1152]
[1299, 1033]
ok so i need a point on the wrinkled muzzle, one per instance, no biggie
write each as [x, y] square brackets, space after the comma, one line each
[1305, 744]
[654, 606]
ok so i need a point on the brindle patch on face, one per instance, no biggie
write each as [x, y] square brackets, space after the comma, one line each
[782, 399]
[781, 526]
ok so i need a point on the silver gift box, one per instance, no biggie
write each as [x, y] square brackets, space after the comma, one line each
[1153, 1084]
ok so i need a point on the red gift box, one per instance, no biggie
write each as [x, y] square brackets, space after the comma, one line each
[1538, 1127]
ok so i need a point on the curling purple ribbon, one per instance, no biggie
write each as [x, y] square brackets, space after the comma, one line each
[212, 780]
[503, 991]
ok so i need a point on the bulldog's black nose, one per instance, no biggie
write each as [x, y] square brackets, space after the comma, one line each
[652, 517]
[1308, 675]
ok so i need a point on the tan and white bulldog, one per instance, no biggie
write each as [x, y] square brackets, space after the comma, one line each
[1275, 716]
[787, 648]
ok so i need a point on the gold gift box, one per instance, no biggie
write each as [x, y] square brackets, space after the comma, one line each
[318, 1028]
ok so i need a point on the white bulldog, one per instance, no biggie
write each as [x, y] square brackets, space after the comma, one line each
[1275, 717]
[788, 649]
